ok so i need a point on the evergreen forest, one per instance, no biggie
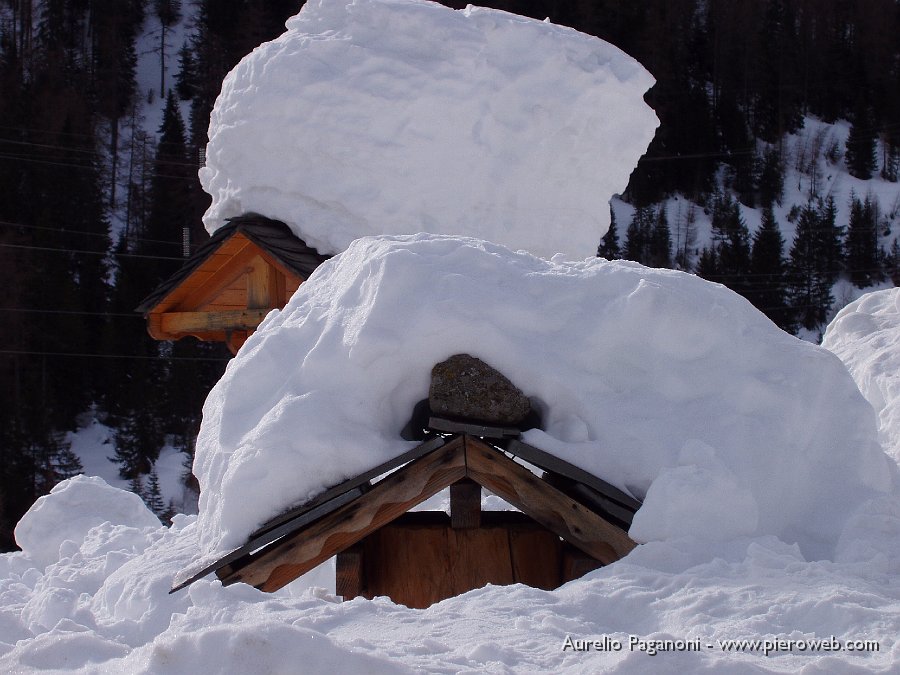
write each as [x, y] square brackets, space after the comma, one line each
[98, 205]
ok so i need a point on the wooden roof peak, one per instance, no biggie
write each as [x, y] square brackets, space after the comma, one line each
[592, 516]
[272, 236]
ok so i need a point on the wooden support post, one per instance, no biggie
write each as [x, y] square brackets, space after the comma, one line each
[262, 284]
[465, 504]
[349, 572]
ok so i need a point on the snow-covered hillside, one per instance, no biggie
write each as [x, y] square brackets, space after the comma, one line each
[814, 168]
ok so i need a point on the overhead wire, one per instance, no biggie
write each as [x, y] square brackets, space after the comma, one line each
[23, 352]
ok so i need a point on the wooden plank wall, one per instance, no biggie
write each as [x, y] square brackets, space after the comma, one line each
[417, 563]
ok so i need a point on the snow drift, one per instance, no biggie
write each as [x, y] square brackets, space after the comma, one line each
[866, 336]
[670, 387]
[401, 116]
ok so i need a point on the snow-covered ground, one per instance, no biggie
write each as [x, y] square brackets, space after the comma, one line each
[772, 512]
[92, 595]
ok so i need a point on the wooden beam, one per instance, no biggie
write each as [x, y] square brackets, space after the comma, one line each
[465, 504]
[262, 285]
[323, 503]
[596, 502]
[361, 480]
[282, 562]
[187, 323]
[257, 541]
[547, 505]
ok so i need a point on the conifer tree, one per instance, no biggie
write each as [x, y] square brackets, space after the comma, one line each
[771, 178]
[639, 235]
[829, 236]
[138, 440]
[860, 155]
[609, 245]
[708, 264]
[186, 79]
[809, 286]
[731, 240]
[659, 247]
[687, 239]
[890, 169]
[169, 13]
[154, 499]
[136, 485]
[862, 256]
[767, 272]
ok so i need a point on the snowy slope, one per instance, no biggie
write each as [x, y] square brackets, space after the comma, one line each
[495, 126]
[809, 173]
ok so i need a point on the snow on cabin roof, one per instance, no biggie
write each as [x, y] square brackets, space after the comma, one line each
[401, 116]
[672, 388]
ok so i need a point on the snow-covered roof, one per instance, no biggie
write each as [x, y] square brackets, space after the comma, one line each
[669, 387]
[402, 116]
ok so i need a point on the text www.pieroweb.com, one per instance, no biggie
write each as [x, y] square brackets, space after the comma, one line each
[765, 646]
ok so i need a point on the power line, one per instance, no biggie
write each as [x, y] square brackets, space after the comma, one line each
[93, 152]
[91, 167]
[16, 352]
[92, 234]
[31, 310]
[100, 253]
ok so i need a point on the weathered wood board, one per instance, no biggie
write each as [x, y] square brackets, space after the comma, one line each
[285, 560]
[418, 563]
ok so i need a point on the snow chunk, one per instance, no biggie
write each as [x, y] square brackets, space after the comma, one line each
[866, 337]
[401, 116]
[668, 386]
[71, 510]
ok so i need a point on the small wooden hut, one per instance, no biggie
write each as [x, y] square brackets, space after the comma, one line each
[569, 523]
[249, 267]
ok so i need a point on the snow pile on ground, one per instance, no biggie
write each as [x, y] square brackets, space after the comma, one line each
[81, 503]
[102, 606]
[401, 116]
[672, 388]
[755, 451]
[866, 337]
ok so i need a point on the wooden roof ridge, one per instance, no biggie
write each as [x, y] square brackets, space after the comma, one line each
[273, 236]
[303, 537]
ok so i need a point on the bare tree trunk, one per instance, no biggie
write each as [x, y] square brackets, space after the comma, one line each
[162, 60]
[114, 163]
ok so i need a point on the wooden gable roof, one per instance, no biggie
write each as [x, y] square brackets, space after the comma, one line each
[248, 267]
[574, 505]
